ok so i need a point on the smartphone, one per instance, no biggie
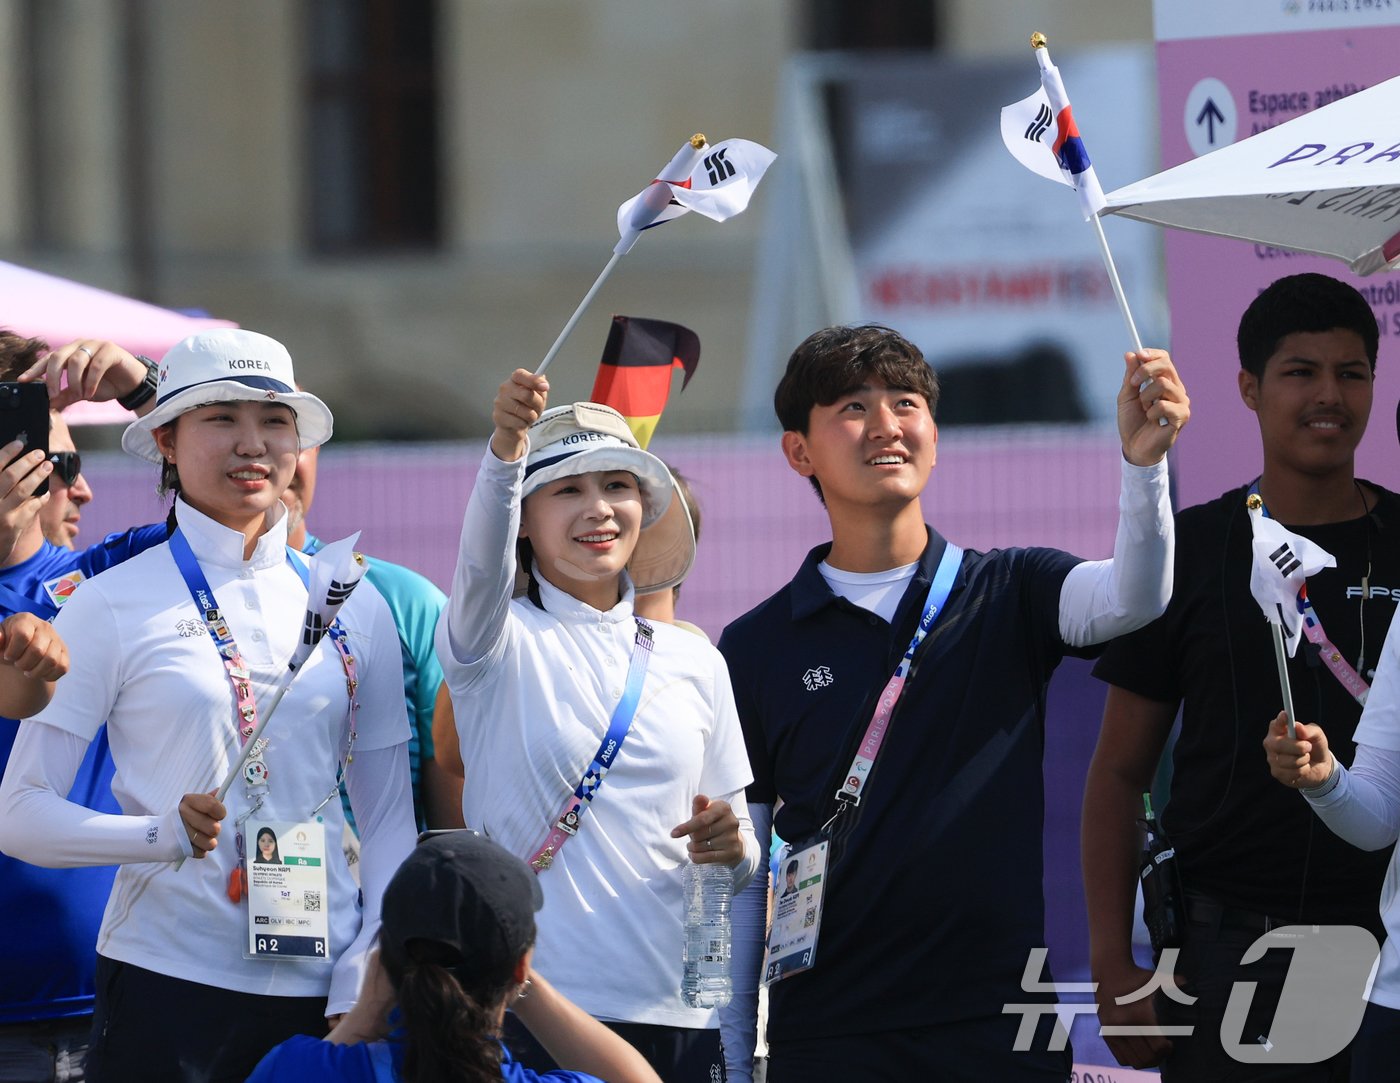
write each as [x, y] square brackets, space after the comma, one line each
[24, 416]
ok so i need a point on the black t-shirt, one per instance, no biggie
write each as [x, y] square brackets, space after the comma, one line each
[935, 898]
[1240, 836]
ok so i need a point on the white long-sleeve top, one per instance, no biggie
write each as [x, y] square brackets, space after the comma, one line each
[143, 662]
[1103, 599]
[1363, 805]
[1098, 601]
[533, 690]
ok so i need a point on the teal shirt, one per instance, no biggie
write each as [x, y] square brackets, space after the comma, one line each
[415, 604]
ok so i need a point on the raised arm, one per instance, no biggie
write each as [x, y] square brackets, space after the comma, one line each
[19, 507]
[575, 1039]
[475, 618]
[90, 369]
[1103, 599]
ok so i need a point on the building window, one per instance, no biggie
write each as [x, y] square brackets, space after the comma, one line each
[373, 163]
[871, 24]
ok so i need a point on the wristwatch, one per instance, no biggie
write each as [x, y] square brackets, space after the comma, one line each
[143, 391]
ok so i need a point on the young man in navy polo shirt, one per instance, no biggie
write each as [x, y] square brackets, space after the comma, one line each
[933, 901]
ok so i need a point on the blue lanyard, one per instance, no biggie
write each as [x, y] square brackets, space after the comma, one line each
[567, 824]
[256, 771]
[21, 603]
[203, 594]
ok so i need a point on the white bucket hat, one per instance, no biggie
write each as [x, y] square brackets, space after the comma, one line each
[585, 437]
[226, 365]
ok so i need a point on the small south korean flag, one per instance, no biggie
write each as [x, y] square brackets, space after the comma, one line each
[1278, 573]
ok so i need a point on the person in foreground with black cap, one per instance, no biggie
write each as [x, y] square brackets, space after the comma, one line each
[176, 650]
[456, 940]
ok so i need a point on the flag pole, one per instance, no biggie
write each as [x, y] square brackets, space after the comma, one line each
[1117, 285]
[1281, 657]
[578, 313]
[334, 574]
[1255, 503]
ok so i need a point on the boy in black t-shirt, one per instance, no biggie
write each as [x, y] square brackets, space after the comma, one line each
[933, 904]
[1251, 855]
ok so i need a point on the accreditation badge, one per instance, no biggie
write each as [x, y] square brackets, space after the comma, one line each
[287, 903]
[797, 910]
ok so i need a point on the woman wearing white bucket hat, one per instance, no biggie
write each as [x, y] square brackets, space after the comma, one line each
[176, 650]
[546, 682]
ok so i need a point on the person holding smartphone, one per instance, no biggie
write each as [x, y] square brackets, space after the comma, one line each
[52, 916]
[180, 647]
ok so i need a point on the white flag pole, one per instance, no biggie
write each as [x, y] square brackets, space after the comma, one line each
[1117, 285]
[335, 572]
[1255, 504]
[1281, 657]
[578, 313]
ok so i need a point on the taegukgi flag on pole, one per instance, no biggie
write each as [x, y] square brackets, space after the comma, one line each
[1282, 562]
[716, 181]
[1040, 133]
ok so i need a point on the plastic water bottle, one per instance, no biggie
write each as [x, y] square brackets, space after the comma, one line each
[705, 981]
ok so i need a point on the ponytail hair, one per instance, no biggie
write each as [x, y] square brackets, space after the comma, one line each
[451, 1034]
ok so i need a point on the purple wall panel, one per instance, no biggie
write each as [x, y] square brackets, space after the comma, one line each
[1041, 486]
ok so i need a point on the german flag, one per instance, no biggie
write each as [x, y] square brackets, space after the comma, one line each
[634, 376]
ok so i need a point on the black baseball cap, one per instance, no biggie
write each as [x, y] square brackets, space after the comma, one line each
[462, 901]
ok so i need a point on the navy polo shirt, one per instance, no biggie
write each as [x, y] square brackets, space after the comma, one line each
[935, 897]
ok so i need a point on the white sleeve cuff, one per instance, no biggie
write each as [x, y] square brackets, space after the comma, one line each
[41, 826]
[1363, 807]
[1103, 599]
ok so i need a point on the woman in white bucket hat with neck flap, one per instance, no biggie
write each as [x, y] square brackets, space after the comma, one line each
[176, 649]
[552, 678]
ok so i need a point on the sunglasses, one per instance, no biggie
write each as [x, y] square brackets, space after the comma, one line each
[67, 465]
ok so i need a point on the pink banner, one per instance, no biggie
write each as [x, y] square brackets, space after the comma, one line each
[1214, 90]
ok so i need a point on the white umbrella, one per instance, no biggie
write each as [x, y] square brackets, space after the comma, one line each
[1327, 183]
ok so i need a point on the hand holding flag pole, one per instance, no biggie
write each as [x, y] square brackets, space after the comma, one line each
[335, 571]
[717, 182]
